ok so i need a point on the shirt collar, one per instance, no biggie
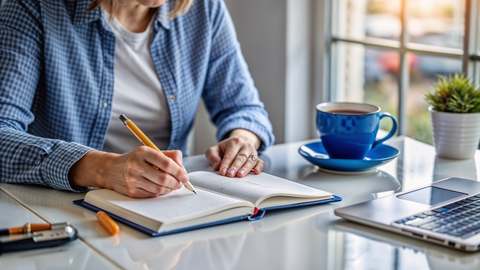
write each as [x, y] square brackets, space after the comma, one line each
[83, 16]
[163, 14]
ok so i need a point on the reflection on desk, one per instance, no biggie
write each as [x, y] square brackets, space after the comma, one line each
[69, 256]
[231, 246]
[462, 168]
[354, 188]
[364, 247]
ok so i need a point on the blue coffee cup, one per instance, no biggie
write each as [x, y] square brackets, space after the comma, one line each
[349, 130]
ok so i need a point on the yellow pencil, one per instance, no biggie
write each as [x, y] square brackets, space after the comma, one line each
[146, 141]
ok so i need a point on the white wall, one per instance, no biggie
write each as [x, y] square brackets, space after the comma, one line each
[298, 83]
[279, 44]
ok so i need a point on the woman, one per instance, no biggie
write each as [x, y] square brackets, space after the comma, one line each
[69, 68]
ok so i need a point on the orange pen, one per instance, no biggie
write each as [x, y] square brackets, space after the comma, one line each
[28, 228]
[33, 227]
[108, 223]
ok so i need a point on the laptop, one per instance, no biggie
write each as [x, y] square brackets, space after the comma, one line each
[446, 212]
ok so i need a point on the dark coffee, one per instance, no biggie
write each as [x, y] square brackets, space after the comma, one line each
[347, 112]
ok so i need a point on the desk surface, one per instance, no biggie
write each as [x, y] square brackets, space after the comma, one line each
[304, 238]
[74, 255]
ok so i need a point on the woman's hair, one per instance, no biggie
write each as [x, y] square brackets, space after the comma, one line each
[181, 6]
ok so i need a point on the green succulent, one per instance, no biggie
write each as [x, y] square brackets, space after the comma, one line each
[455, 94]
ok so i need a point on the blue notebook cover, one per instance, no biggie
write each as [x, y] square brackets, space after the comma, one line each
[259, 215]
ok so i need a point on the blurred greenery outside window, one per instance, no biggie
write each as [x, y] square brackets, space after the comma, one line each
[389, 52]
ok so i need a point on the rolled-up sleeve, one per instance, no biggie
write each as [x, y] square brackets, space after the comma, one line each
[229, 94]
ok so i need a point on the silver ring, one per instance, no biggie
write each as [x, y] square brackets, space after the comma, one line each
[254, 158]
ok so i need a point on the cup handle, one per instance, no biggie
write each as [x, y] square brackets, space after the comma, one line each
[392, 131]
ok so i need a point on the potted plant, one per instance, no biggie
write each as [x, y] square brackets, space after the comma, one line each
[455, 114]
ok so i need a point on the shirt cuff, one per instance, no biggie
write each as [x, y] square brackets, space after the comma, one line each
[59, 163]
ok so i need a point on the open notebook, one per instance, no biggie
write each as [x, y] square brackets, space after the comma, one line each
[219, 200]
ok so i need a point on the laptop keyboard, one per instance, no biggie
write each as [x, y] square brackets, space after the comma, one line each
[459, 219]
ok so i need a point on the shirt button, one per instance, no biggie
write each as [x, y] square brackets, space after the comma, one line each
[172, 98]
[105, 104]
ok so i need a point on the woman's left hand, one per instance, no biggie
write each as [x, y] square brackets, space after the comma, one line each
[237, 155]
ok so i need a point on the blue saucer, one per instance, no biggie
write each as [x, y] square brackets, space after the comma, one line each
[316, 154]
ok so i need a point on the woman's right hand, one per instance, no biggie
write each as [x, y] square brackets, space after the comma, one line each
[134, 174]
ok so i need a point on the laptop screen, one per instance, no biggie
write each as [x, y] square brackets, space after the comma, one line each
[431, 195]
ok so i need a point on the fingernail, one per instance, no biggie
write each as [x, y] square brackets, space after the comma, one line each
[215, 164]
[241, 171]
[231, 172]
[180, 185]
[184, 179]
[224, 171]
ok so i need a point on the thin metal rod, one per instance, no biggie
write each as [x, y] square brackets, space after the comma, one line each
[404, 70]
[474, 66]
[372, 42]
[434, 50]
[328, 20]
[466, 37]
[410, 47]
[474, 57]
[333, 22]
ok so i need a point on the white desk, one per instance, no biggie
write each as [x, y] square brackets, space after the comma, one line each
[303, 238]
[74, 255]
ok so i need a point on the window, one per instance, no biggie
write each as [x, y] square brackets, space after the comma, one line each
[388, 53]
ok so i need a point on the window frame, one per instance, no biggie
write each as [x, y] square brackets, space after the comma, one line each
[470, 60]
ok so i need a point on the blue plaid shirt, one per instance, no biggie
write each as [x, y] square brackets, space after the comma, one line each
[56, 82]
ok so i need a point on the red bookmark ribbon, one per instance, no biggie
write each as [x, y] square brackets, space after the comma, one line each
[255, 211]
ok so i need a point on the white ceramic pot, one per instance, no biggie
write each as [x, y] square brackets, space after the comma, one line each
[455, 135]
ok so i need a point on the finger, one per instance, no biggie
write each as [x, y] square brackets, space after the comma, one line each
[153, 174]
[163, 163]
[241, 159]
[135, 182]
[155, 189]
[140, 193]
[213, 156]
[259, 167]
[176, 155]
[247, 167]
[165, 180]
[230, 154]
[160, 179]
[134, 192]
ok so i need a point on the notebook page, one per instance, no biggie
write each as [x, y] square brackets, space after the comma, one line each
[253, 188]
[177, 206]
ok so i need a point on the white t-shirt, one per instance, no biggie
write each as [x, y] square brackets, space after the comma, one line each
[138, 92]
